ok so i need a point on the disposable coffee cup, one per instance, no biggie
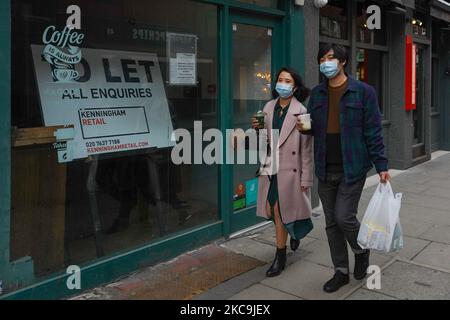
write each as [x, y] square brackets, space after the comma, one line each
[305, 120]
[259, 116]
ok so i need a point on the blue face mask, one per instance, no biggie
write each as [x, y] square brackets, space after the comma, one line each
[329, 68]
[284, 90]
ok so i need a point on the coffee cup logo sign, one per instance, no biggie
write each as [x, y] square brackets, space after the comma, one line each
[63, 52]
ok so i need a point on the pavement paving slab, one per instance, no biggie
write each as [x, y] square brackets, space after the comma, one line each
[262, 292]
[435, 254]
[364, 294]
[409, 281]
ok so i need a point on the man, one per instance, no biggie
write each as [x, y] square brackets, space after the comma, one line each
[348, 141]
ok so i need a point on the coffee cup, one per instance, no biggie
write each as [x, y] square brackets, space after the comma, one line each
[305, 120]
[260, 116]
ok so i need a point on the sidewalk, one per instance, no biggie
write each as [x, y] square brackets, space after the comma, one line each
[235, 269]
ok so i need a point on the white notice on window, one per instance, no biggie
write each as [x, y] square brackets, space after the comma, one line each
[183, 69]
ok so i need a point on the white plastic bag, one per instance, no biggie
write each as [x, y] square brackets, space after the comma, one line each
[380, 227]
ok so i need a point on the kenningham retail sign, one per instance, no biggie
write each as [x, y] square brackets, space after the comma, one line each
[115, 100]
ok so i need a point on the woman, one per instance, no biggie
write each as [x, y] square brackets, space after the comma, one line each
[284, 194]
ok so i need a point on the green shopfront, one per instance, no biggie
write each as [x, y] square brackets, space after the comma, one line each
[92, 92]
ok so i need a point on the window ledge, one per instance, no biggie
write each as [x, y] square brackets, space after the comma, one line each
[22, 137]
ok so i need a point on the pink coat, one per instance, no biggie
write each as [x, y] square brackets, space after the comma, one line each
[295, 167]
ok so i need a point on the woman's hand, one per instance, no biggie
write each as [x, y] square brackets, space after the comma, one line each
[255, 123]
[304, 189]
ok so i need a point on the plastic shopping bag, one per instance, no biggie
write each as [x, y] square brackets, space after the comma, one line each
[380, 227]
[397, 239]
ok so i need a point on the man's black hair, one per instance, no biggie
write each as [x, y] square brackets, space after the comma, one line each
[340, 52]
[302, 92]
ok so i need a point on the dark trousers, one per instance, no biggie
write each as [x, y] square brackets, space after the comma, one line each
[340, 205]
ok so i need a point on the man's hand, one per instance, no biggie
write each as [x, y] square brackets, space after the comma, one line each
[385, 176]
[299, 125]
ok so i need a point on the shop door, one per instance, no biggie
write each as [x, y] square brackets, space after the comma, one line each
[254, 58]
[418, 143]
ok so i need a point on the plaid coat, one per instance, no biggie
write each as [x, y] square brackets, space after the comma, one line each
[361, 130]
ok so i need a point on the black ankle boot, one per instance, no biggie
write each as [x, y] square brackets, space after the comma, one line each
[279, 263]
[361, 265]
[294, 244]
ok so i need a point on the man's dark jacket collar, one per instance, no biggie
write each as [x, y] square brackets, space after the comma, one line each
[352, 84]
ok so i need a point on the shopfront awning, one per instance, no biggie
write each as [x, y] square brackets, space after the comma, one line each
[406, 3]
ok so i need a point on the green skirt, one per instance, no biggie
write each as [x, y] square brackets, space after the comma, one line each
[297, 229]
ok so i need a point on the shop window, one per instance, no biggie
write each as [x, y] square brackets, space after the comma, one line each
[334, 20]
[369, 69]
[363, 33]
[112, 186]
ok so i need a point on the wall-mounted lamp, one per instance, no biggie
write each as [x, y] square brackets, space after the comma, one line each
[415, 21]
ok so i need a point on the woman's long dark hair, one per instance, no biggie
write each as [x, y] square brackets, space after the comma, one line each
[302, 92]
